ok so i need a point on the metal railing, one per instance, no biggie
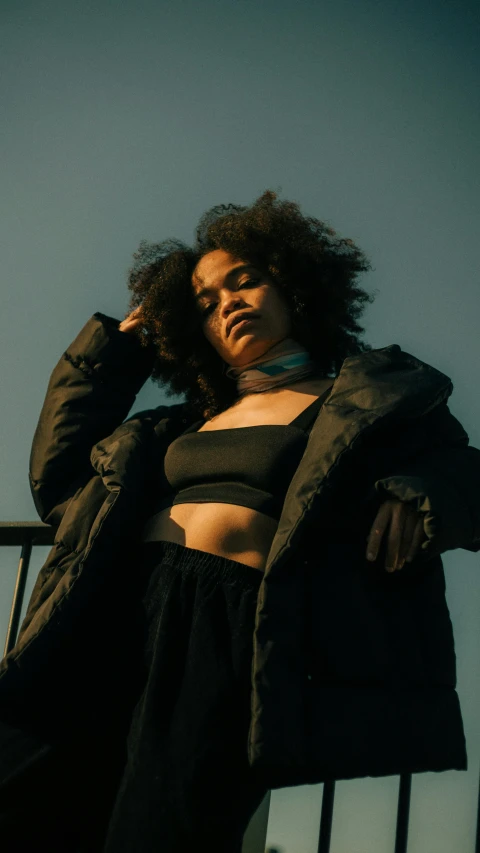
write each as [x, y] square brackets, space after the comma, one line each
[25, 534]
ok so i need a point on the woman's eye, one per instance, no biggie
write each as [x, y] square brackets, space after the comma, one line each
[212, 304]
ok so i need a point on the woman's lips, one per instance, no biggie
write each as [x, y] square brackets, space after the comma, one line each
[242, 323]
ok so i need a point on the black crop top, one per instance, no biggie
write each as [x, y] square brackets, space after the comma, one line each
[250, 466]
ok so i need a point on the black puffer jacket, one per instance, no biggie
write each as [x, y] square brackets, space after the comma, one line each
[354, 668]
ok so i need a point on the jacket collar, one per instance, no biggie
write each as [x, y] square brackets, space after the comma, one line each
[371, 390]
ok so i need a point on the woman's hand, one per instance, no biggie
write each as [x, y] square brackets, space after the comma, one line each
[405, 533]
[132, 321]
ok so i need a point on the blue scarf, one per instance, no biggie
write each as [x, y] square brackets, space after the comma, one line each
[286, 362]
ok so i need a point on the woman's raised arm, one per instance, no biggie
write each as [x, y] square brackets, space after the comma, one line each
[90, 392]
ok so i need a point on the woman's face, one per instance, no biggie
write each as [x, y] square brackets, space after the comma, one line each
[225, 286]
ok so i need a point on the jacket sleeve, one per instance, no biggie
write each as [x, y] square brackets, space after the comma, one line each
[444, 485]
[90, 392]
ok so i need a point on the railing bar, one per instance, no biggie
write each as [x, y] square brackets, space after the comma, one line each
[326, 817]
[404, 788]
[477, 839]
[18, 594]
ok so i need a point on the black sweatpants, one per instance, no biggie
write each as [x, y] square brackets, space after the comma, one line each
[187, 784]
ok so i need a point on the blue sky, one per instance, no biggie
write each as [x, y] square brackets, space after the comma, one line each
[123, 121]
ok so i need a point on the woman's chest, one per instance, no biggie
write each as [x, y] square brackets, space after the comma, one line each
[281, 407]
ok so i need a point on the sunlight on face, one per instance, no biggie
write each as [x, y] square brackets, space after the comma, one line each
[224, 286]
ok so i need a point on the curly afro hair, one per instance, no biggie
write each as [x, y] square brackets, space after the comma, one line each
[315, 269]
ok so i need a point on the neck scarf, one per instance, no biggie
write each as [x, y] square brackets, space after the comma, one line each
[286, 362]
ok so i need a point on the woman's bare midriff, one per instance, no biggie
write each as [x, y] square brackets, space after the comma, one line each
[229, 530]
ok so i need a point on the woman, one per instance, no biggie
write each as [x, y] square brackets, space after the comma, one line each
[208, 601]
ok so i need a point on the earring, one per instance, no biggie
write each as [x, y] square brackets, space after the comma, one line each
[226, 367]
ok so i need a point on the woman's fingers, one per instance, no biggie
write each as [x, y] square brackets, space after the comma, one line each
[395, 536]
[411, 518]
[417, 539]
[378, 529]
[131, 321]
[405, 533]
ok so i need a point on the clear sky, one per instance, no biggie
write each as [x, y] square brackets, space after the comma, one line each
[123, 121]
